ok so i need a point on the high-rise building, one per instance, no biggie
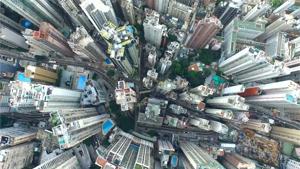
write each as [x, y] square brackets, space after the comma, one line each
[121, 46]
[258, 10]
[257, 125]
[77, 16]
[40, 74]
[38, 12]
[47, 41]
[150, 4]
[99, 12]
[228, 10]
[11, 39]
[202, 32]
[283, 23]
[240, 32]
[153, 31]
[65, 160]
[233, 102]
[12, 136]
[128, 11]
[295, 48]
[164, 64]
[236, 161]
[16, 157]
[283, 7]
[165, 149]
[161, 6]
[152, 57]
[248, 65]
[286, 134]
[292, 164]
[179, 10]
[26, 97]
[85, 47]
[282, 94]
[277, 46]
[133, 50]
[72, 126]
[226, 114]
[197, 157]
[125, 96]
[21, 97]
[126, 151]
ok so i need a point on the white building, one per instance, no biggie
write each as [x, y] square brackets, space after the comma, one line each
[179, 10]
[99, 12]
[72, 126]
[161, 5]
[125, 96]
[153, 31]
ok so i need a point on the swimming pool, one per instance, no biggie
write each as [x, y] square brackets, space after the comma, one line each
[81, 82]
[22, 78]
[107, 126]
[174, 160]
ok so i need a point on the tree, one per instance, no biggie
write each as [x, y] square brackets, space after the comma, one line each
[110, 73]
[172, 38]
[276, 3]
[207, 56]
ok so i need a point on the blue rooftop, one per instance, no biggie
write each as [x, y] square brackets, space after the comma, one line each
[107, 126]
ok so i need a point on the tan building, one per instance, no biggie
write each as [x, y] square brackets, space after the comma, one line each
[236, 161]
[286, 134]
[16, 157]
[40, 74]
[12, 136]
[257, 125]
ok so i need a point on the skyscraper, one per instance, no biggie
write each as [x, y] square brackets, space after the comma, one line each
[161, 5]
[85, 47]
[128, 11]
[99, 12]
[197, 157]
[283, 23]
[153, 31]
[202, 32]
[12, 136]
[228, 10]
[38, 11]
[40, 74]
[65, 160]
[47, 41]
[11, 39]
[240, 33]
[236, 161]
[77, 16]
[179, 10]
[251, 64]
[72, 126]
[16, 157]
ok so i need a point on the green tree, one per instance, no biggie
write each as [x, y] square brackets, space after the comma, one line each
[110, 73]
[276, 3]
[172, 38]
